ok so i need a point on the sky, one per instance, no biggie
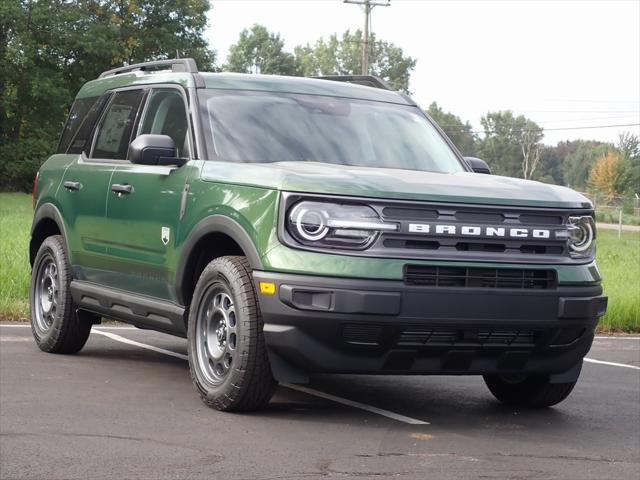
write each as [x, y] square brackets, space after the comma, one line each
[563, 63]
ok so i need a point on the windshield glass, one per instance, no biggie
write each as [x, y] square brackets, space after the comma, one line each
[260, 127]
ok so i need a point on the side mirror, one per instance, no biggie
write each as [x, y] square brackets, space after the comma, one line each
[151, 149]
[478, 165]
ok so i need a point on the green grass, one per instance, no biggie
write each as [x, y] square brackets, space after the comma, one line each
[619, 262]
[15, 222]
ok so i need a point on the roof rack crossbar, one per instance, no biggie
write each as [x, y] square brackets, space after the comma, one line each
[177, 65]
[367, 80]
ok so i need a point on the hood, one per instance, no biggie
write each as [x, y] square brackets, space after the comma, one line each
[463, 187]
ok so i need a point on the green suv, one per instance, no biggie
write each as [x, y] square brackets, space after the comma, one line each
[291, 226]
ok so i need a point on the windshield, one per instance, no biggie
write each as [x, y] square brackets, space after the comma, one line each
[260, 127]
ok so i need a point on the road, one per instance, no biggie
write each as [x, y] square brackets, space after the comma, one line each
[121, 411]
[615, 226]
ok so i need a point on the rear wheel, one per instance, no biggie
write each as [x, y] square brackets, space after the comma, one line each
[227, 354]
[56, 326]
[534, 391]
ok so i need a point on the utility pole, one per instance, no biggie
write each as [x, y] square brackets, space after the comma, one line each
[368, 6]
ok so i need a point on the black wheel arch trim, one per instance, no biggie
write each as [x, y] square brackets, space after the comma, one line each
[46, 211]
[214, 224]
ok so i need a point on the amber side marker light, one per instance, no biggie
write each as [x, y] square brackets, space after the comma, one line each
[268, 288]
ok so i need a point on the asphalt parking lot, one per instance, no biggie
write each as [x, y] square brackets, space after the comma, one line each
[121, 410]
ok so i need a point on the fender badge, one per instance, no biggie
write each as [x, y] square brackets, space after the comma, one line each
[165, 235]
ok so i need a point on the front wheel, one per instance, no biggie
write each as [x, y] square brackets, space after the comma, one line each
[227, 353]
[534, 391]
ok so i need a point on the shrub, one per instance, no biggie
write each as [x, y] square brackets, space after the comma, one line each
[20, 160]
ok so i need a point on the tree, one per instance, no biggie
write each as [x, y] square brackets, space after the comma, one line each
[461, 134]
[577, 165]
[550, 168]
[49, 48]
[530, 138]
[511, 144]
[610, 175]
[259, 51]
[629, 147]
[344, 57]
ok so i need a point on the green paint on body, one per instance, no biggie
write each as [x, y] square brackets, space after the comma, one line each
[119, 240]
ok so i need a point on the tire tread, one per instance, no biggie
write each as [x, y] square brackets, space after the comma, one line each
[71, 332]
[254, 385]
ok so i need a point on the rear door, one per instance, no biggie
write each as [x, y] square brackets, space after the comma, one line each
[83, 194]
[143, 220]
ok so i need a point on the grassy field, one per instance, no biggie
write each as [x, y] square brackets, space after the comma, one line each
[619, 262]
[15, 222]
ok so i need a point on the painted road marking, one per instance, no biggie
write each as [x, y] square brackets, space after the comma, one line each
[613, 364]
[351, 403]
[308, 391]
[120, 339]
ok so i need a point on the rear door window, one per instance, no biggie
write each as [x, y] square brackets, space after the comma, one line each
[114, 133]
[77, 114]
[81, 141]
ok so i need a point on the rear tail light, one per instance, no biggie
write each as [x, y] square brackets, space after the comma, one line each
[35, 188]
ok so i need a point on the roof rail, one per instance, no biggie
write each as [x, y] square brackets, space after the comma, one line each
[177, 65]
[367, 80]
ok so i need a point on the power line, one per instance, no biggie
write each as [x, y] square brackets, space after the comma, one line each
[595, 126]
[586, 127]
[636, 110]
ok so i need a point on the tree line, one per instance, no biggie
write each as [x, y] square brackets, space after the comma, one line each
[513, 147]
[49, 48]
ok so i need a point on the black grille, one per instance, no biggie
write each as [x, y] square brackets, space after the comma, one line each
[362, 334]
[411, 336]
[469, 277]
[484, 337]
[492, 239]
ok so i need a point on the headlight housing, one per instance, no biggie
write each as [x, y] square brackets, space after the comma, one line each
[581, 236]
[335, 225]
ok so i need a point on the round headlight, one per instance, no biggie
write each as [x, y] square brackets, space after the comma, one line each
[581, 234]
[310, 224]
[334, 225]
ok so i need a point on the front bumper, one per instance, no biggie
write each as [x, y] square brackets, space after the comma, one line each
[338, 325]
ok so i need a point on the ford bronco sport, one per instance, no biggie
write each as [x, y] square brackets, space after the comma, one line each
[289, 226]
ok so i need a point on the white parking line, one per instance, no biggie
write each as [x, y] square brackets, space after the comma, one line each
[351, 403]
[612, 364]
[120, 339]
[307, 390]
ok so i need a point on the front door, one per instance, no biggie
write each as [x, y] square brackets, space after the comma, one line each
[145, 203]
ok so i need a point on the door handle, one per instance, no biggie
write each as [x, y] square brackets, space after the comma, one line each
[122, 188]
[69, 185]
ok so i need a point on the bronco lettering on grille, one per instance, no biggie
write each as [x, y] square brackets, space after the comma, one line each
[479, 231]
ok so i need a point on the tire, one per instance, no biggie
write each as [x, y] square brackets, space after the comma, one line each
[56, 326]
[533, 391]
[227, 353]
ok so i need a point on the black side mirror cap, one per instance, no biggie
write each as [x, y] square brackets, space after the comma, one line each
[152, 149]
[478, 165]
